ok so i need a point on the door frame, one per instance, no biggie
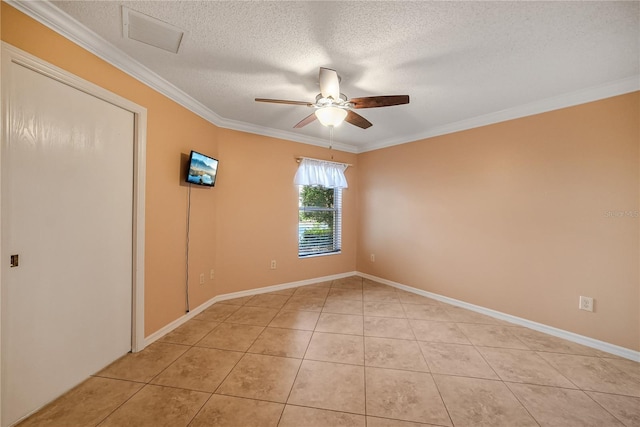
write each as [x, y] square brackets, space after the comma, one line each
[12, 55]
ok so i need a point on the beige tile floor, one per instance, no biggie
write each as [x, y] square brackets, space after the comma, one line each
[353, 352]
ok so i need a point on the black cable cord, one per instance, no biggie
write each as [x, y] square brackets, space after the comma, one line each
[187, 260]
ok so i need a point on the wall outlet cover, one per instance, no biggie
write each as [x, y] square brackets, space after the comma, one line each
[586, 303]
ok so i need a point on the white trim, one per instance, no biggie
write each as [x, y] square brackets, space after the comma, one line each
[4, 134]
[280, 134]
[139, 227]
[49, 15]
[319, 254]
[250, 292]
[590, 94]
[550, 330]
[65, 25]
[54, 18]
[560, 333]
[11, 54]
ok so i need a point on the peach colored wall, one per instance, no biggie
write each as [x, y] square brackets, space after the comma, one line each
[513, 217]
[221, 219]
[509, 216]
[258, 213]
[171, 130]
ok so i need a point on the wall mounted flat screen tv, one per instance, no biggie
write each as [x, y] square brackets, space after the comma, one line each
[202, 169]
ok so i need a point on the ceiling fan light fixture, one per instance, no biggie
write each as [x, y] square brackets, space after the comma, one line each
[331, 116]
[332, 107]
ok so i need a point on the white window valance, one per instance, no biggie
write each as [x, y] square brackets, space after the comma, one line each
[321, 172]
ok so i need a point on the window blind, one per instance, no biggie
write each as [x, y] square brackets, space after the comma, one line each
[320, 223]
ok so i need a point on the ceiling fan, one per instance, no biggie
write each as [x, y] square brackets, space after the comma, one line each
[332, 107]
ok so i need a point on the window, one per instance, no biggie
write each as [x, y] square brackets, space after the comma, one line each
[319, 220]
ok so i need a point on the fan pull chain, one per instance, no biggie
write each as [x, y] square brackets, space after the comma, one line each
[331, 140]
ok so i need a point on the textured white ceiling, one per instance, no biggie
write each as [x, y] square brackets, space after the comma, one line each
[456, 60]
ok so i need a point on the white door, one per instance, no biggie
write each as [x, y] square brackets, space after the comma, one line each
[67, 194]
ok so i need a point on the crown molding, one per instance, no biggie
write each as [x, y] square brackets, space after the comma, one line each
[590, 94]
[281, 134]
[54, 18]
[65, 25]
[60, 22]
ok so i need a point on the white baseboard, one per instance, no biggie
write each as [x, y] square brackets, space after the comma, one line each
[560, 333]
[223, 297]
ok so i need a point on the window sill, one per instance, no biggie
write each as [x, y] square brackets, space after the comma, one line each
[317, 255]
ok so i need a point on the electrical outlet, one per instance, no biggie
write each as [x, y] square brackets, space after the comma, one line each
[586, 303]
[202, 278]
[211, 274]
[273, 264]
[373, 257]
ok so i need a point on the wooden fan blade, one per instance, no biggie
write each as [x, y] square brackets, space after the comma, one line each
[329, 83]
[311, 117]
[357, 120]
[379, 101]
[283, 101]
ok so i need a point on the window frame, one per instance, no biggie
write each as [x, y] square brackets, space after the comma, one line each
[337, 224]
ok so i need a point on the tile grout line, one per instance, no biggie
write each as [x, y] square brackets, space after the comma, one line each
[333, 410]
[120, 405]
[500, 378]
[446, 408]
[601, 406]
[403, 305]
[476, 347]
[230, 370]
[520, 402]
[591, 357]
[555, 369]
[147, 383]
[364, 361]
[191, 347]
[300, 366]
[504, 383]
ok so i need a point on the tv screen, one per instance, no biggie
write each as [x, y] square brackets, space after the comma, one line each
[202, 169]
